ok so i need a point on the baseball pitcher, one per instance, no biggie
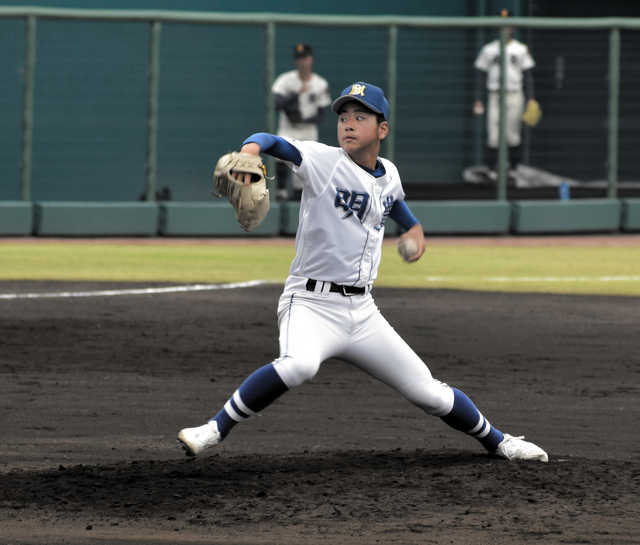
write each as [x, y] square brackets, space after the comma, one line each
[326, 309]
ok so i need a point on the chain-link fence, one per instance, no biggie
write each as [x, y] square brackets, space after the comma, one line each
[114, 105]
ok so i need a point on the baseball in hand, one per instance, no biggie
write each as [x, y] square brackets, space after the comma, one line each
[407, 248]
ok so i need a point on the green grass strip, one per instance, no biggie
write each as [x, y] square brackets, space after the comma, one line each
[588, 270]
[143, 263]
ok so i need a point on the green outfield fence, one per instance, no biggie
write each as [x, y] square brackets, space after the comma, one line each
[505, 217]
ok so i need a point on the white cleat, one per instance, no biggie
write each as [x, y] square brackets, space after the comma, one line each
[514, 448]
[196, 440]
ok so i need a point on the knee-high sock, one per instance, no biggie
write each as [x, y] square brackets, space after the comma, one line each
[515, 156]
[257, 392]
[492, 158]
[466, 418]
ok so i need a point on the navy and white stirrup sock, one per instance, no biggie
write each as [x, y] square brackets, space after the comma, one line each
[466, 418]
[264, 386]
[257, 392]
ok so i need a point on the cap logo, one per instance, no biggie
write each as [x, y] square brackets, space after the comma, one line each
[357, 89]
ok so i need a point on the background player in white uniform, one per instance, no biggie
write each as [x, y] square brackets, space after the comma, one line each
[300, 96]
[519, 73]
[326, 310]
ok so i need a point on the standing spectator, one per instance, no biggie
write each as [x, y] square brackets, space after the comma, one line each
[520, 64]
[301, 97]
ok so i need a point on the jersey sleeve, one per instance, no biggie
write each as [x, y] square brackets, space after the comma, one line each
[483, 61]
[527, 61]
[281, 86]
[318, 164]
[324, 98]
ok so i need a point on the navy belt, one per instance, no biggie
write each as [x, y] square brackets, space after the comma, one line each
[337, 288]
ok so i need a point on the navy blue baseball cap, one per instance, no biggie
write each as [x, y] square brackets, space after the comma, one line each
[302, 50]
[370, 95]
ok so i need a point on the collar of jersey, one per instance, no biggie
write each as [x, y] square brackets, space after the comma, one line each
[376, 172]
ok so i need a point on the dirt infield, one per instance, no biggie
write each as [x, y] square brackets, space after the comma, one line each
[94, 390]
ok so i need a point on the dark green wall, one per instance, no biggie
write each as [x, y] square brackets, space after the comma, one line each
[91, 96]
[11, 60]
[91, 92]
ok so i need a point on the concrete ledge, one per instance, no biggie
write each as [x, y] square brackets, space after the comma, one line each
[462, 217]
[16, 218]
[216, 218]
[95, 219]
[630, 215]
[583, 216]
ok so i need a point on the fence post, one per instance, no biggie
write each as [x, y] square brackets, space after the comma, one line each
[479, 140]
[502, 140]
[614, 104]
[270, 108]
[27, 108]
[392, 85]
[151, 169]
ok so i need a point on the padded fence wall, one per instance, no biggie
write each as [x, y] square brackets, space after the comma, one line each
[216, 219]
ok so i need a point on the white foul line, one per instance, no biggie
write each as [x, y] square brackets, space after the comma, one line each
[251, 283]
[140, 291]
[538, 279]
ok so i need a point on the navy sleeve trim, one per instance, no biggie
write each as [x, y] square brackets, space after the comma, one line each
[481, 85]
[276, 146]
[401, 214]
[528, 84]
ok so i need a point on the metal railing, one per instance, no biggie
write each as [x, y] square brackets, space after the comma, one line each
[269, 21]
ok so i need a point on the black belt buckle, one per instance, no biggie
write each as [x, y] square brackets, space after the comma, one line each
[349, 291]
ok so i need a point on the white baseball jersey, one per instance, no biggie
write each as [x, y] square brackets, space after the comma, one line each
[314, 97]
[518, 60]
[342, 215]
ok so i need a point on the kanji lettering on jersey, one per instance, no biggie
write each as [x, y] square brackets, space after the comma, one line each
[352, 201]
[387, 204]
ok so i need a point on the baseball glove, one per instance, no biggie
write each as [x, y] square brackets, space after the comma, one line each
[251, 202]
[532, 113]
[291, 109]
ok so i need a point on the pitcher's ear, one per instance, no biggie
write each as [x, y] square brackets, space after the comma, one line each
[383, 130]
